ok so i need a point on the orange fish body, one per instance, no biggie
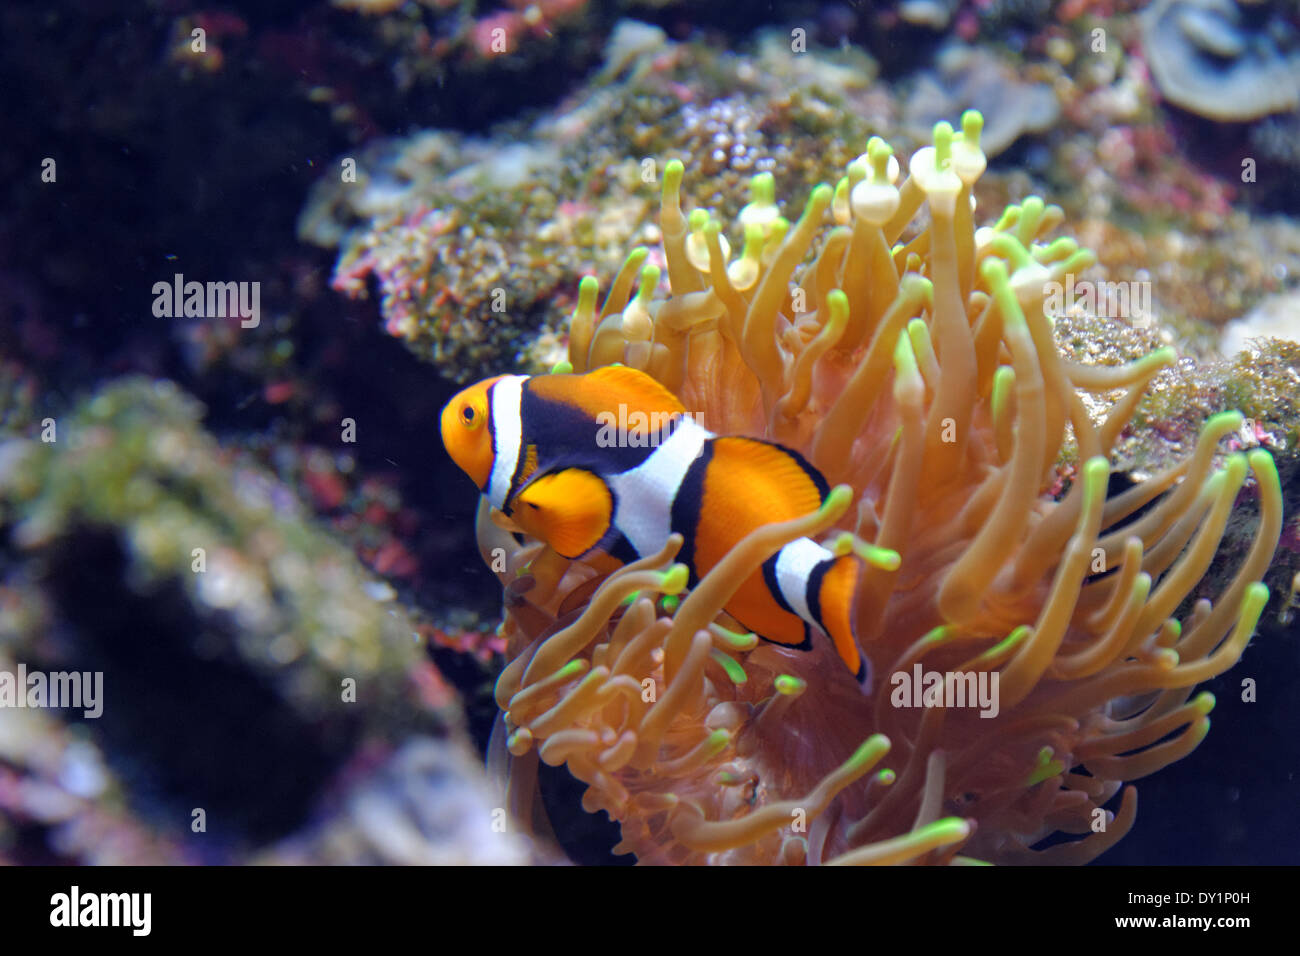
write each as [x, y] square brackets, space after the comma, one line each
[610, 461]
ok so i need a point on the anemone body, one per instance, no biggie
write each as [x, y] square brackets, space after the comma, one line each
[910, 357]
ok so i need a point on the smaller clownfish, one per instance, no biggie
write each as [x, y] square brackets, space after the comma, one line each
[544, 450]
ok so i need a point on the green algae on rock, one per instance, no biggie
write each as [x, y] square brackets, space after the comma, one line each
[133, 460]
[248, 658]
[476, 245]
[1261, 382]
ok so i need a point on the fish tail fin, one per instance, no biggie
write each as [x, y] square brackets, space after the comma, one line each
[833, 598]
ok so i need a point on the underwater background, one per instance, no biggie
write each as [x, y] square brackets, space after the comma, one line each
[246, 522]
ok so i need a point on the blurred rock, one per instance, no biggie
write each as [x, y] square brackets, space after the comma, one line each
[969, 77]
[1277, 316]
[934, 14]
[1223, 59]
[428, 805]
[247, 657]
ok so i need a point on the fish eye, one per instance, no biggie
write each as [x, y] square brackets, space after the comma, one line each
[468, 416]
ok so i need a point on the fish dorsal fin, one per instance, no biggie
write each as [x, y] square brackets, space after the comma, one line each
[607, 391]
[638, 388]
[780, 478]
[570, 509]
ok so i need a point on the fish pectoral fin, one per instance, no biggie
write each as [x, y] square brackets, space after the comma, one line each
[504, 521]
[571, 510]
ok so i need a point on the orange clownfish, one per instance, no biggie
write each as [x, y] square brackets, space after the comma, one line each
[610, 461]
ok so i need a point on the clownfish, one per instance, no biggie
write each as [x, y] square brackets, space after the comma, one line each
[611, 461]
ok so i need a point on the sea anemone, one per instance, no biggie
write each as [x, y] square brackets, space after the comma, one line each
[912, 360]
